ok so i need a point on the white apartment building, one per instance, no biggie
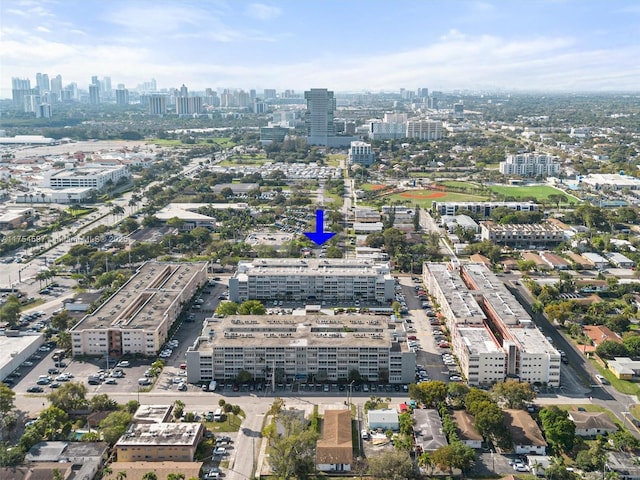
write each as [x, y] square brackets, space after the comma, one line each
[384, 130]
[481, 209]
[492, 334]
[314, 348]
[93, 177]
[530, 165]
[136, 319]
[521, 234]
[312, 279]
[424, 129]
[360, 153]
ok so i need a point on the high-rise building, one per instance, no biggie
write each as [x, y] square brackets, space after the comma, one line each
[269, 93]
[43, 111]
[56, 88]
[458, 110]
[31, 103]
[94, 94]
[184, 91]
[424, 129]
[20, 87]
[106, 85]
[122, 95]
[361, 153]
[319, 116]
[157, 104]
[42, 82]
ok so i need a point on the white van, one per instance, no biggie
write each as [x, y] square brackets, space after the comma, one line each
[144, 381]
[364, 434]
[217, 415]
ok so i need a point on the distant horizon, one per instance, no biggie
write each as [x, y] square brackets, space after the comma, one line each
[483, 46]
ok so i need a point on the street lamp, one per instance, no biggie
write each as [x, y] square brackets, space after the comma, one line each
[349, 398]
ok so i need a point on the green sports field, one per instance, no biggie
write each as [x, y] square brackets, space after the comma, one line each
[540, 192]
[424, 198]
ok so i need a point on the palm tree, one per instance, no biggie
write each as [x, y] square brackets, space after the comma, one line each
[150, 476]
[121, 475]
[106, 471]
[175, 476]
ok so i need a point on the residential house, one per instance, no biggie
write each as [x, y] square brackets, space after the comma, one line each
[624, 368]
[539, 262]
[427, 430]
[384, 419]
[334, 450]
[590, 424]
[525, 433]
[579, 260]
[620, 260]
[596, 260]
[467, 432]
[556, 262]
[624, 464]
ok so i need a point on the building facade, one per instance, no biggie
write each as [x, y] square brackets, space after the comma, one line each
[91, 177]
[360, 153]
[481, 209]
[159, 442]
[521, 235]
[530, 165]
[136, 319]
[293, 348]
[319, 116]
[424, 129]
[312, 280]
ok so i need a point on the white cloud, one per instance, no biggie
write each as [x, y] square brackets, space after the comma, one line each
[43, 29]
[260, 11]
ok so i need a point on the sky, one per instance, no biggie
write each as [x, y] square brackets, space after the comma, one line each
[343, 45]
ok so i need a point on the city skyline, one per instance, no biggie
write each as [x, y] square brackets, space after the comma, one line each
[544, 45]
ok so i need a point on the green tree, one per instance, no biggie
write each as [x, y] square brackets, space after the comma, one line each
[456, 393]
[10, 311]
[391, 465]
[70, 396]
[632, 342]
[227, 308]
[54, 423]
[455, 455]
[558, 429]
[624, 440]
[292, 455]
[114, 426]
[121, 475]
[251, 307]
[175, 476]
[428, 393]
[6, 399]
[611, 349]
[178, 409]
[102, 403]
[513, 394]
[61, 320]
[57, 474]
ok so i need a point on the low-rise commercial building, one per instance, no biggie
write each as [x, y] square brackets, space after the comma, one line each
[383, 419]
[136, 319]
[92, 176]
[187, 216]
[312, 279]
[303, 348]
[158, 442]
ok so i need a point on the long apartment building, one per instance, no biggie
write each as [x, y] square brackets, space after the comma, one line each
[530, 165]
[304, 348]
[481, 209]
[492, 334]
[522, 235]
[136, 319]
[313, 280]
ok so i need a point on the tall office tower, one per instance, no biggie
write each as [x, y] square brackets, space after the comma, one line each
[458, 110]
[319, 115]
[20, 88]
[56, 88]
[243, 99]
[423, 92]
[153, 85]
[184, 91]
[269, 93]
[122, 95]
[43, 111]
[94, 94]
[157, 104]
[106, 84]
[252, 94]
[42, 81]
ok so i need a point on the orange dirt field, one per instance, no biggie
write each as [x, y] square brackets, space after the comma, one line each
[423, 195]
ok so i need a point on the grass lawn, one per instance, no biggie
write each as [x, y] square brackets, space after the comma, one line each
[424, 198]
[623, 386]
[30, 305]
[367, 187]
[231, 424]
[540, 192]
[333, 199]
[224, 142]
[333, 159]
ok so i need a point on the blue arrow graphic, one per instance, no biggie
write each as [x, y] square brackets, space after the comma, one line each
[319, 236]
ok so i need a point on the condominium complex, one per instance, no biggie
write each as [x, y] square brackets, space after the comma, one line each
[136, 319]
[481, 209]
[321, 130]
[93, 177]
[313, 280]
[424, 129]
[522, 235]
[304, 348]
[492, 334]
[530, 165]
